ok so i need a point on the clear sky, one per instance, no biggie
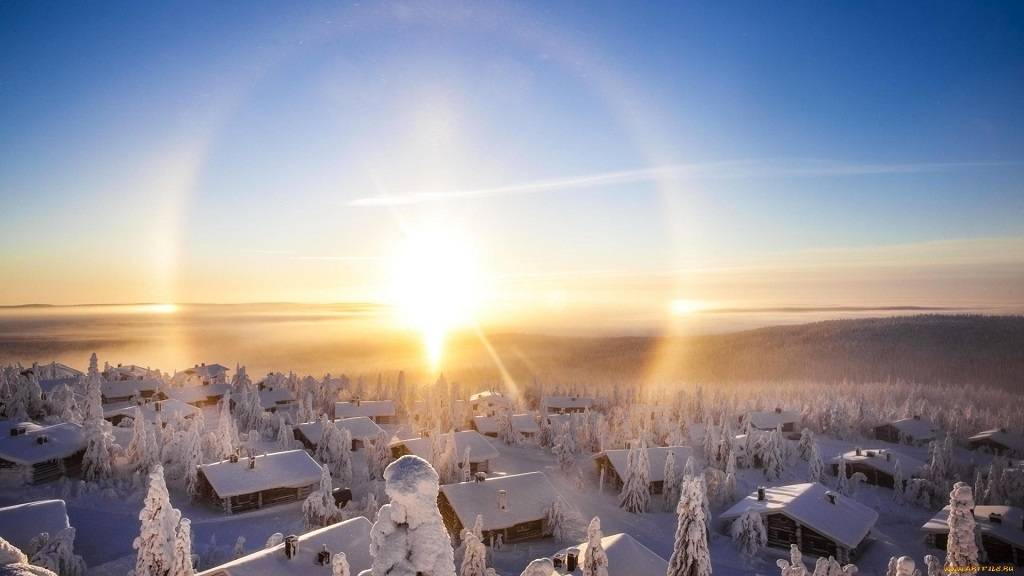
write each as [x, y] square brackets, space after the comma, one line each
[586, 155]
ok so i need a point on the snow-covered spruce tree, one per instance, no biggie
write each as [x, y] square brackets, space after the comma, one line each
[934, 566]
[181, 560]
[409, 537]
[155, 544]
[564, 448]
[690, 554]
[902, 566]
[556, 520]
[636, 488]
[506, 433]
[65, 406]
[478, 527]
[466, 466]
[319, 508]
[897, 481]
[595, 560]
[806, 443]
[139, 453]
[749, 534]
[239, 549]
[378, 455]
[842, 480]
[224, 440]
[772, 457]
[831, 567]
[371, 506]
[729, 489]
[14, 562]
[961, 546]
[670, 486]
[96, 460]
[339, 565]
[815, 467]
[474, 560]
[343, 466]
[56, 552]
[795, 565]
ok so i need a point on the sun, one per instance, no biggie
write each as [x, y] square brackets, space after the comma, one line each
[435, 286]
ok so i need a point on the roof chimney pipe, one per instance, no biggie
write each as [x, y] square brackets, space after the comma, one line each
[760, 493]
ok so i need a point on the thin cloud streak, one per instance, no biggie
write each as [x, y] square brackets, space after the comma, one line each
[337, 258]
[715, 170]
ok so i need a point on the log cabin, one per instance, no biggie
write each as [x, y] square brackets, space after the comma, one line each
[878, 465]
[44, 453]
[916, 431]
[613, 463]
[240, 484]
[998, 441]
[515, 507]
[481, 451]
[1001, 529]
[820, 522]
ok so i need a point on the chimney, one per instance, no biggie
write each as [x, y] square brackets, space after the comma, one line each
[831, 497]
[18, 431]
[503, 500]
[291, 546]
[42, 439]
[252, 462]
[323, 558]
[571, 560]
[233, 458]
[778, 410]
[859, 452]
[917, 416]
[995, 518]
[157, 406]
[760, 493]
[888, 456]
[480, 477]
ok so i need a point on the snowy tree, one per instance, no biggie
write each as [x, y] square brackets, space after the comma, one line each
[371, 506]
[961, 546]
[409, 537]
[795, 565]
[155, 544]
[897, 484]
[64, 405]
[749, 534]
[224, 440]
[772, 457]
[466, 465]
[96, 460]
[378, 455]
[274, 539]
[564, 448]
[595, 560]
[831, 567]
[56, 552]
[636, 489]
[806, 443]
[842, 480]
[556, 520]
[478, 527]
[339, 565]
[934, 565]
[181, 559]
[140, 453]
[729, 489]
[506, 433]
[239, 549]
[670, 486]
[474, 560]
[690, 554]
[319, 509]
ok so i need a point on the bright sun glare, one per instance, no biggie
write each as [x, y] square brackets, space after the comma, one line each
[435, 287]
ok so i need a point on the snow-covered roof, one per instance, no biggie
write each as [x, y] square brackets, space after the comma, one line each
[20, 524]
[1009, 530]
[275, 396]
[771, 419]
[1012, 441]
[368, 408]
[847, 521]
[522, 423]
[559, 419]
[167, 409]
[289, 469]
[626, 556]
[351, 537]
[566, 402]
[881, 459]
[918, 428]
[24, 569]
[529, 497]
[361, 428]
[62, 440]
[207, 369]
[489, 396]
[656, 456]
[480, 449]
[196, 393]
[125, 388]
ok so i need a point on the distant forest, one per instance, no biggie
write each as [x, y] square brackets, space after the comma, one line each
[948, 349]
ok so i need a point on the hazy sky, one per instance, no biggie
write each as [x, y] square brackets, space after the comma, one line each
[608, 156]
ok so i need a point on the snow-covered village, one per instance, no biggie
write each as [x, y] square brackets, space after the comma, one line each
[511, 288]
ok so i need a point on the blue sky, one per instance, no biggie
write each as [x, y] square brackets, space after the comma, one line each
[218, 152]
